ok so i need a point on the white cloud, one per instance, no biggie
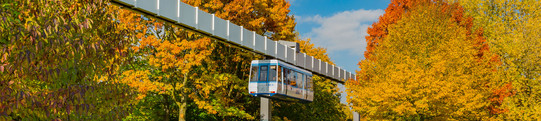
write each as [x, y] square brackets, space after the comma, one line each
[316, 19]
[342, 34]
[343, 31]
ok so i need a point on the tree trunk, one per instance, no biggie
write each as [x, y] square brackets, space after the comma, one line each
[183, 101]
[182, 111]
[167, 108]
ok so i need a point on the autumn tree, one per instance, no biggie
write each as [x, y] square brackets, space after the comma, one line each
[55, 55]
[165, 55]
[379, 30]
[512, 30]
[431, 65]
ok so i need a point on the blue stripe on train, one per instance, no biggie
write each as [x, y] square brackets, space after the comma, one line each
[272, 94]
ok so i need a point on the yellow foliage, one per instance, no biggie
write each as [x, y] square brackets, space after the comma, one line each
[427, 67]
[512, 29]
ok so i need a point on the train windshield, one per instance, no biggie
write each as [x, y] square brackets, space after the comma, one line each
[263, 74]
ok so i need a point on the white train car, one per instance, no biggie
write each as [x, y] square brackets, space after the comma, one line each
[279, 80]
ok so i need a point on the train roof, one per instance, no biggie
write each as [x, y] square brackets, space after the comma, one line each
[281, 63]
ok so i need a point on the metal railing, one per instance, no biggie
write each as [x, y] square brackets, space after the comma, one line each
[194, 19]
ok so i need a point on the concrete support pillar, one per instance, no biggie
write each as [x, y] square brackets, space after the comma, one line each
[356, 116]
[265, 109]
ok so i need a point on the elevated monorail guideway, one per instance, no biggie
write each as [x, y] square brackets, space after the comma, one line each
[287, 76]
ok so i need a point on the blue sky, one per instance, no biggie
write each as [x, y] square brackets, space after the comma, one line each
[338, 25]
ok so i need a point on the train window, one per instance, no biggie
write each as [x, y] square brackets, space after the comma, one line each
[263, 74]
[304, 81]
[279, 73]
[254, 73]
[294, 79]
[309, 83]
[286, 75]
[272, 73]
[300, 76]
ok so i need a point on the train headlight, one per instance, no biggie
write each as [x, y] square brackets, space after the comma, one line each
[273, 91]
[252, 92]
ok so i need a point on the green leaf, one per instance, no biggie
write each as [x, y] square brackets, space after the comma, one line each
[3, 41]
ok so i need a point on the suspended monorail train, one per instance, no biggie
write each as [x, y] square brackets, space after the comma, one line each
[278, 80]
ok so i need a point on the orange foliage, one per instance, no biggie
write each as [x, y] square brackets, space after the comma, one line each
[267, 17]
[167, 55]
[498, 95]
[379, 29]
[397, 8]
